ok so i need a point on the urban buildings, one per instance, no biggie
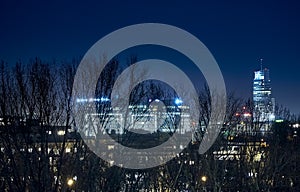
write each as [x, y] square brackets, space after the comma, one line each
[138, 118]
[32, 152]
[264, 104]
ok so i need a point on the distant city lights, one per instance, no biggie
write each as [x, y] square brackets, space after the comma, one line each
[178, 101]
[272, 117]
[297, 125]
[247, 115]
[102, 99]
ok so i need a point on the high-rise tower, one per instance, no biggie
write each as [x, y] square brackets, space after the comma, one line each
[264, 104]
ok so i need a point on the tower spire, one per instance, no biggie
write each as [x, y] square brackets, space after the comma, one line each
[261, 64]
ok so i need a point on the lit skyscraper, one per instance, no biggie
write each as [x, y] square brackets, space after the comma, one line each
[264, 104]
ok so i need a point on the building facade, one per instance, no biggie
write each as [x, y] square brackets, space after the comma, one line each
[264, 103]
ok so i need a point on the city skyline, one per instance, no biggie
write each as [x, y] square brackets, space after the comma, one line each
[237, 33]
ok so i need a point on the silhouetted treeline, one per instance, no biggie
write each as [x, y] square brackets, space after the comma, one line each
[41, 149]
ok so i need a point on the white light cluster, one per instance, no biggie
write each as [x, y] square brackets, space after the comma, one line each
[102, 99]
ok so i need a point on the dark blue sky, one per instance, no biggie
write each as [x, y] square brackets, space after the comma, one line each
[238, 33]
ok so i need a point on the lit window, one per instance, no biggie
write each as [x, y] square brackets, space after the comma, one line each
[111, 163]
[60, 132]
[68, 150]
[110, 147]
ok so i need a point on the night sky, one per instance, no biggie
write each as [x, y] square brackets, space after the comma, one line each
[238, 33]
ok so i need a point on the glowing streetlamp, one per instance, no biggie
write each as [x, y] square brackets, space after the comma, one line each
[70, 182]
[204, 178]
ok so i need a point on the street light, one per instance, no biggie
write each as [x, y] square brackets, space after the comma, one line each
[204, 179]
[70, 182]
